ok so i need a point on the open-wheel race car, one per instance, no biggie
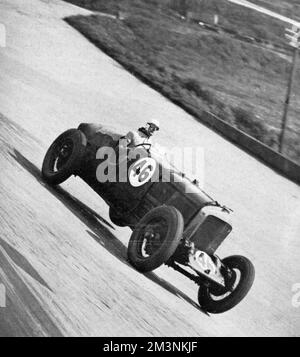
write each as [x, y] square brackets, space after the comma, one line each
[173, 221]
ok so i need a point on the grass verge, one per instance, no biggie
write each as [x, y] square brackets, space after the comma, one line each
[197, 69]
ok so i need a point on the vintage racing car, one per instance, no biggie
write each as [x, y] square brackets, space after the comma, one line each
[173, 221]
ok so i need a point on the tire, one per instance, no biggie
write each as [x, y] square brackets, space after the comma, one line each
[247, 274]
[166, 225]
[116, 218]
[63, 157]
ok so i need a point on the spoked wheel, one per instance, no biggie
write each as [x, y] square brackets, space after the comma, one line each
[239, 276]
[155, 238]
[61, 154]
[63, 157]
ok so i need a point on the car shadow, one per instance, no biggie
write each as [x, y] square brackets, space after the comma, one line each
[24, 314]
[100, 233]
[172, 289]
[120, 251]
[22, 262]
[75, 205]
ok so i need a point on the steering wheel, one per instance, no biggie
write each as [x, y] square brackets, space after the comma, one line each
[144, 146]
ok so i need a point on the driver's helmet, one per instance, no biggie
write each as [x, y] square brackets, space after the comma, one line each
[154, 124]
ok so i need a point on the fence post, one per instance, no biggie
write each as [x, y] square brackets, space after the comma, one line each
[293, 35]
[287, 100]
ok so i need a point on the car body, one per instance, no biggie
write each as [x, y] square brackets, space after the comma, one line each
[205, 221]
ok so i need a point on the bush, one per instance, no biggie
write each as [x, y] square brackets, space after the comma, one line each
[248, 122]
[194, 86]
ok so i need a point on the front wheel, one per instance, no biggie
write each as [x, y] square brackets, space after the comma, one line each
[238, 280]
[64, 156]
[155, 238]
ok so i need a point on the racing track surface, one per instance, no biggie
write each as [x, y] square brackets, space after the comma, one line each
[61, 260]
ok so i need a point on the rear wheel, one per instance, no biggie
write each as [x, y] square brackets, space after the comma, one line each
[155, 238]
[238, 280]
[63, 157]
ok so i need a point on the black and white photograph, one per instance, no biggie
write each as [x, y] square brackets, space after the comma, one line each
[149, 171]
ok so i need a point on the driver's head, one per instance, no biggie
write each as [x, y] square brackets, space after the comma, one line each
[152, 126]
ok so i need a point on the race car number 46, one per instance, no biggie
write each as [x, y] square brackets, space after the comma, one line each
[141, 171]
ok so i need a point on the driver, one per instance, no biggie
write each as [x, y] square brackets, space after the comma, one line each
[143, 134]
